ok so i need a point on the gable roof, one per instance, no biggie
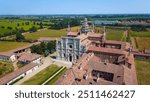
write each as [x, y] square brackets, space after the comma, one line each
[106, 50]
[16, 73]
[28, 57]
[7, 54]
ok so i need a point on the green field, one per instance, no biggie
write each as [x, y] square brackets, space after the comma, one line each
[143, 72]
[6, 46]
[140, 34]
[142, 43]
[15, 24]
[45, 33]
[114, 34]
[42, 76]
[5, 68]
[51, 82]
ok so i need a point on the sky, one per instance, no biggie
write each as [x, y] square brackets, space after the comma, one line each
[26, 7]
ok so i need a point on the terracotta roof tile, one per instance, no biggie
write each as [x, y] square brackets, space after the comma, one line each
[106, 50]
[28, 57]
[16, 73]
[8, 54]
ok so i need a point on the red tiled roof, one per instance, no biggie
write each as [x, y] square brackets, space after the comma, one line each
[72, 33]
[86, 42]
[82, 37]
[25, 47]
[106, 50]
[147, 51]
[28, 57]
[94, 35]
[89, 62]
[16, 73]
[46, 39]
[114, 42]
[7, 54]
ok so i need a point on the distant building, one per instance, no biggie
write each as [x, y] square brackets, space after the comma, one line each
[98, 22]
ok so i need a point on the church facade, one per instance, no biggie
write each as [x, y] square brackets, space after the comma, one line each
[74, 44]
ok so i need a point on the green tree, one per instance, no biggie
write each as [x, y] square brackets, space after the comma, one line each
[19, 37]
[51, 46]
[33, 29]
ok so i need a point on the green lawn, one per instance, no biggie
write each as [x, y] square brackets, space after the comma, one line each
[42, 76]
[5, 68]
[45, 33]
[6, 46]
[143, 72]
[51, 82]
[142, 43]
[114, 34]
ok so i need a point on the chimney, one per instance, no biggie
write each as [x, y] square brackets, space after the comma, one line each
[106, 62]
[85, 77]
[98, 75]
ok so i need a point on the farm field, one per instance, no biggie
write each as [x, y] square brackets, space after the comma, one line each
[15, 24]
[8, 27]
[5, 68]
[45, 33]
[143, 72]
[42, 76]
[6, 46]
[140, 34]
[142, 43]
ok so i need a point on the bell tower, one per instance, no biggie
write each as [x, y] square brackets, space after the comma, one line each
[85, 27]
[69, 28]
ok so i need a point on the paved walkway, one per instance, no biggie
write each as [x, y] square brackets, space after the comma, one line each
[46, 62]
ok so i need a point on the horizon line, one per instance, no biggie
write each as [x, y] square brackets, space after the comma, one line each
[77, 14]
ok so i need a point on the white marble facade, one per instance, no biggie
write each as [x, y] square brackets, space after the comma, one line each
[69, 49]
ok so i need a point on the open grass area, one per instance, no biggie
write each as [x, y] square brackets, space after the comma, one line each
[114, 34]
[142, 43]
[42, 76]
[51, 82]
[15, 23]
[5, 68]
[140, 34]
[143, 72]
[6, 46]
[45, 33]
